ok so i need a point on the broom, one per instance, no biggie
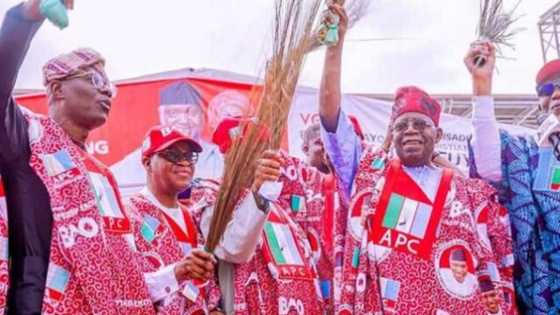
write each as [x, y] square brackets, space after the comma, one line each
[292, 35]
[495, 25]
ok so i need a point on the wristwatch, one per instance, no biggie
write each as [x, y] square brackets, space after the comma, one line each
[262, 203]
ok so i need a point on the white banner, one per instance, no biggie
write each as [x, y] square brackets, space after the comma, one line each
[373, 116]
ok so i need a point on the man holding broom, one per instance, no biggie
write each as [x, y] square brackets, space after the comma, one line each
[409, 218]
[281, 278]
[166, 232]
[526, 170]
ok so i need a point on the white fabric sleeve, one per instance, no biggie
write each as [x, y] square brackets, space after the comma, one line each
[486, 139]
[242, 233]
[344, 149]
[161, 283]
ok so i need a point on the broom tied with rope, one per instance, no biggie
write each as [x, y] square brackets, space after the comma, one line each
[293, 26]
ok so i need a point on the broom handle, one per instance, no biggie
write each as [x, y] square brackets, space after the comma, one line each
[479, 61]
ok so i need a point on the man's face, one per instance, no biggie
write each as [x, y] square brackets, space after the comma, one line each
[490, 301]
[314, 150]
[414, 138]
[549, 96]
[87, 100]
[459, 270]
[164, 174]
[187, 118]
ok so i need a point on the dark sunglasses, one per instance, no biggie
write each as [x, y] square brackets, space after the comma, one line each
[176, 156]
[547, 89]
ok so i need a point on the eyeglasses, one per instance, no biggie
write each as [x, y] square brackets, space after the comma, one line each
[176, 156]
[547, 89]
[99, 81]
[417, 124]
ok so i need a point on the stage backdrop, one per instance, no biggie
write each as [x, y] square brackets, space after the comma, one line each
[144, 102]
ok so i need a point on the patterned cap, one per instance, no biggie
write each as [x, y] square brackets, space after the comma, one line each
[413, 99]
[77, 62]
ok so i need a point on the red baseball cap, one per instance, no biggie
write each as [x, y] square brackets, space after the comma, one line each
[159, 138]
[550, 70]
[230, 128]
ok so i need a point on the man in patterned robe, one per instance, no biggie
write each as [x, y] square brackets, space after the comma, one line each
[409, 218]
[166, 232]
[526, 171]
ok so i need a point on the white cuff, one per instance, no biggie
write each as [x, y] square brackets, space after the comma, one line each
[483, 108]
[242, 233]
[485, 142]
[271, 190]
[161, 283]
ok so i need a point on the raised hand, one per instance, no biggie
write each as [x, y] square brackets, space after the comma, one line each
[481, 73]
[198, 265]
[268, 169]
[338, 9]
[31, 9]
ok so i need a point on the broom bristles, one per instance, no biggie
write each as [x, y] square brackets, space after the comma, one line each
[292, 34]
[495, 24]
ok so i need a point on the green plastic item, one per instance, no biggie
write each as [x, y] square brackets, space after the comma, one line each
[331, 38]
[55, 11]
[330, 29]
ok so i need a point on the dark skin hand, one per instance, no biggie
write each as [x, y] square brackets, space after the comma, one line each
[198, 265]
[268, 169]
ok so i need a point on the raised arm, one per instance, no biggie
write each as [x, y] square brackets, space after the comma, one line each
[18, 28]
[486, 138]
[342, 144]
[329, 93]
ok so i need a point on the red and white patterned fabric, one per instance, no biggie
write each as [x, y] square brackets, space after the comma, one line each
[93, 268]
[162, 241]
[280, 278]
[315, 205]
[408, 254]
[4, 258]
[310, 208]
